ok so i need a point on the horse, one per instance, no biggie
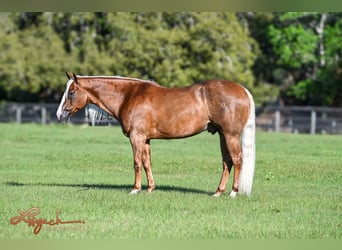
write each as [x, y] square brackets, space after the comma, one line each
[146, 110]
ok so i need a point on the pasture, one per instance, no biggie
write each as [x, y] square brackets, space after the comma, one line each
[87, 173]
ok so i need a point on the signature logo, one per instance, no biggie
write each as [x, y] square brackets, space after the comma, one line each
[29, 217]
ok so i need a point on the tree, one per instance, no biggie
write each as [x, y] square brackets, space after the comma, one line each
[31, 62]
[266, 89]
[308, 47]
[174, 49]
[180, 48]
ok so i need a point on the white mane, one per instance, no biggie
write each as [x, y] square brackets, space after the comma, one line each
[119, 78]
[60, 107]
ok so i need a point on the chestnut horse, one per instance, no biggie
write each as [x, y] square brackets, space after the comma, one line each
[146, 110]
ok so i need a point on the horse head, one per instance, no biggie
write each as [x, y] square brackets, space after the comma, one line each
[74, 99]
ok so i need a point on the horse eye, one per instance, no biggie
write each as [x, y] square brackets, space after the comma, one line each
[71, 94]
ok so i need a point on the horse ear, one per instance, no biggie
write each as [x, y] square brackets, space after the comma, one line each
[75, 77]
[69, 76]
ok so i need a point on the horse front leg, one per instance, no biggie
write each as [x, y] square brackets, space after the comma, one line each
[137, 176]
[147, 166]
[138, 149]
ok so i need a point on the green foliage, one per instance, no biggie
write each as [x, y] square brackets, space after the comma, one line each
[180, 51]
[308, 50]
[32, 61]
[174, 49]
[294, 45]
[294, 56]
[333, 41]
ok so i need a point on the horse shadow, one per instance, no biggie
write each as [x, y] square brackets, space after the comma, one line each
[119, 187]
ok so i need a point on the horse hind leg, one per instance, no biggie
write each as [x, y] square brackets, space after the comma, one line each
[227, 166]
[234, 146]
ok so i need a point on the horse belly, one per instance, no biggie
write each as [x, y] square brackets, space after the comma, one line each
[180, 123]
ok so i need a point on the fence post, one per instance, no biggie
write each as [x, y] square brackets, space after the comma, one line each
[18, 110]
[313, 122]
[43, 113]
[277, 121]
[333, 126]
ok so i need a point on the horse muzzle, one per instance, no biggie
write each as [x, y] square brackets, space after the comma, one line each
[63, 116]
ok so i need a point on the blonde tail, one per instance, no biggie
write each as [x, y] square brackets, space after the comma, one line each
[248, 151]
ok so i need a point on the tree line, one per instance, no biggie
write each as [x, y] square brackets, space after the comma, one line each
[284, 58]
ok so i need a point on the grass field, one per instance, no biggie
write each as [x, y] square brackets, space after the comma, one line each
[88, 172]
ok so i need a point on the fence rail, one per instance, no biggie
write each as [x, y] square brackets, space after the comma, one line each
[296, 119]
[291, 119]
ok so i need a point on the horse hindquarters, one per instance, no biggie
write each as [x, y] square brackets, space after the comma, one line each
[231, 109]
[244, 164]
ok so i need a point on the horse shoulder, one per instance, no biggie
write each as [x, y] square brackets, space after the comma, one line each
[137, 109]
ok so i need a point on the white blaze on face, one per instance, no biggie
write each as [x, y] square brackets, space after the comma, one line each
[60, 107]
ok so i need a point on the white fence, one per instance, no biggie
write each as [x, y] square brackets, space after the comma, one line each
[278, 119]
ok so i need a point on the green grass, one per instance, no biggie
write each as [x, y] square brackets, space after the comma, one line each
[88, 173]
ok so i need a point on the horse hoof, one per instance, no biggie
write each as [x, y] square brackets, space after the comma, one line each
[134, 191]
[232, 194]
[217, 194]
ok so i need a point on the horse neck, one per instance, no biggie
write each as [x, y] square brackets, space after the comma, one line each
[108, 94]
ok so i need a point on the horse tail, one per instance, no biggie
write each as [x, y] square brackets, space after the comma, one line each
[248, 150]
